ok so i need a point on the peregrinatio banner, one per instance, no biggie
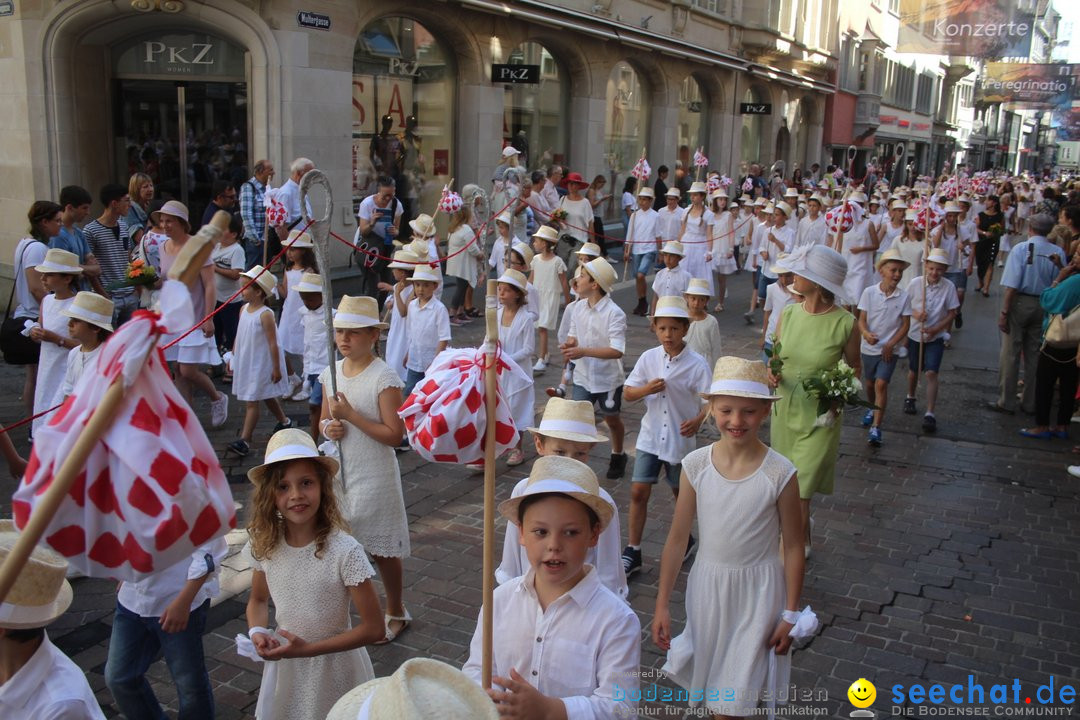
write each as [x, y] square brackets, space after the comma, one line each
[978, 28]
[1039, 86]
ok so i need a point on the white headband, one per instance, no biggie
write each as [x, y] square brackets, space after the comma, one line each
[726, 387]
[574, 426]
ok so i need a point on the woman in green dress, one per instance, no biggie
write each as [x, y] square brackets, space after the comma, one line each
[811, 336]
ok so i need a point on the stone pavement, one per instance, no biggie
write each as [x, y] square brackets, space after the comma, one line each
[937, 557]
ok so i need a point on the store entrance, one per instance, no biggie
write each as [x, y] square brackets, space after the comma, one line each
[184, 135]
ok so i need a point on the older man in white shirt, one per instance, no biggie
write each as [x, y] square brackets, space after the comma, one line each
[289, 195]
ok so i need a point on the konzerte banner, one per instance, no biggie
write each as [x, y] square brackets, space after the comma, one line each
[1029, 85]
[979, 28]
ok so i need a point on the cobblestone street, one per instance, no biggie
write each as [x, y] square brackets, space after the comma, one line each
[938, 557]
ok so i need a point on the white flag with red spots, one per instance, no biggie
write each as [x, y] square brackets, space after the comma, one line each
[444, 416]
[152, 489]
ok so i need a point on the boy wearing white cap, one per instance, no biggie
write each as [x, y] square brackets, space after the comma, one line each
[884, 318]
[427, 324]
[596, 343]
[568, 429]
[565, 645]
[643, 240]
[704, 335]
[670, 379]
[673, 279]
[36, 679]
[934, 304]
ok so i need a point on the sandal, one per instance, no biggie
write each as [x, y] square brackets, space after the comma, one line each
[405, 619]
[472, 312]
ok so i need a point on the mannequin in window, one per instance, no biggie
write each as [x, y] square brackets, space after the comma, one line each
[412, 163]
[387, 151]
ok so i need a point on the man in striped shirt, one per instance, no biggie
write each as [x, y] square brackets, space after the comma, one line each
[111, 245]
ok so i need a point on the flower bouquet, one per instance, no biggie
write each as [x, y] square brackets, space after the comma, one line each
[139, 274]
[833, 389]
[559, 215]
[776, 365]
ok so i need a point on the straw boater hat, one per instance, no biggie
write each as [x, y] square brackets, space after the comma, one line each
[820, 265]
[671, 306]
[964, 198]
[291, 444]
[898, 205]
[423, 226]
[601, 271]
[172, 207]
[646, 192]
[717, 194]
[566, 476]
[778, 266]
[939, 256]
[859, 197]
[92, 308]
[420, 689]
[571, 420]
[515, 278]
[299, 239]
[737, 377]
[760, 202]
[791, 192]
[404, 260]
[953, 207]
[265, 281]
[891, 255]
[697, 286]
[309, 282]
[547, 234]
[354, 313]
[420, 247]
[524, 251]
[41, 592]
[768, 208]
[423, 273]
[673, 192]
[505, 218]
[910, 216]
[784, 208]
[699, 187]
[590, 249]
[673, 247]
[60, 261]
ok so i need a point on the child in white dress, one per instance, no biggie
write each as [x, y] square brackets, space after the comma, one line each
[304, 559]
[301, 259]
[741, 599]
[503, 242]
[548, 274]
[89, 324]
[724, 262]
[258, 362]
[697, 236]
[704, 334]
[518, 340]
[363, 417]
[60, 274]
[317, 339]
[397, 341]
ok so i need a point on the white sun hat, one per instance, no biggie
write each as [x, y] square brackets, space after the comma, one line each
[673, 247]
[671, 306]
[265, 281]
[820, 265]
[697, 286]
[571, 420]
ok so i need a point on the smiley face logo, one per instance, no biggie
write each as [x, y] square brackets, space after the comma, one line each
[862, 693]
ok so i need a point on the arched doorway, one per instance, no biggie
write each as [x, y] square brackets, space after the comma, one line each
[403, 109]
[693, 127]
[535, 117]
[625, 128]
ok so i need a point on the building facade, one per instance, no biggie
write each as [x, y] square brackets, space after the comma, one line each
[425, 90]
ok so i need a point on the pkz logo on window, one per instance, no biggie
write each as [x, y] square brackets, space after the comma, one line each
[755, 109]
[177, 58]
[528, 74]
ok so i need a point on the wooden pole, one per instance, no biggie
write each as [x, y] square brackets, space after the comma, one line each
[491, 389]
[186, 268]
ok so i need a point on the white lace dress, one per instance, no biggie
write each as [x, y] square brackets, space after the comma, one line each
[311, 600]
[372, 500]
[736, 590]
[724, 239]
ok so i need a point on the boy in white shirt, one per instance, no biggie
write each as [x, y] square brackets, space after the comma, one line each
[643, 241]
[568, 429]
[758, 227]
[812, 227]
[929, 324]
[670, 379]
[777, 297]
[778, 239]
[670, 217]
[565, 645]
[884, 319]
[673, 280]
[316, 348]
[427, 324]
[596, 343]
[165, 611]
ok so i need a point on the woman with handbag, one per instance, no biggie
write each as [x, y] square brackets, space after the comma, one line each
[1058, 356]
[24, 303]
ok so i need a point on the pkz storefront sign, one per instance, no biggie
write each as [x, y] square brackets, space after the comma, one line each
[523, 74]
[170, 55]
[755, 109]
[314, 21]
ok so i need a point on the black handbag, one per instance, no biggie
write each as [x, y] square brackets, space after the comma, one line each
[18, 349]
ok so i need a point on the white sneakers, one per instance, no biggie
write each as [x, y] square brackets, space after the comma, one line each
[1074, 470]
[219, 410]
[298, 389]
[540, 365]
